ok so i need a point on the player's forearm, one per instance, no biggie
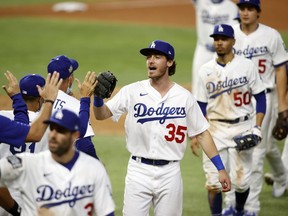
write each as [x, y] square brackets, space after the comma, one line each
[207, 143]
[281, 83]
[6, 200]
[259, 118]
[38, 128]
[100, 109]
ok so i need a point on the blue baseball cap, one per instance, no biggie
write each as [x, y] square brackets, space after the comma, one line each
[66, 119]
[159, 46]
[63, 65]
[255, 3]
[28, 84]
[223, 30]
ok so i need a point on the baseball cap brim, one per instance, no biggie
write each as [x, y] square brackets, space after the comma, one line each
[148, 51]
[61, 124]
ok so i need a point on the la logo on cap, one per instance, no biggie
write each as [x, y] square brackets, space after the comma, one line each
[59, 115]
[70, 69]
[153, 45]
[220, 28]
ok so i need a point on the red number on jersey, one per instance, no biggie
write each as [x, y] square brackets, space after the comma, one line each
[240, 98]
[90, 208]
[262, 66]
[177, 134]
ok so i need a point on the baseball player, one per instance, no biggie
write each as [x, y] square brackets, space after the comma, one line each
[159, 115]
[224, 94]
[208, 14]
[15, 132]
[66, 67]
[61, 179]
[269, 55]
[28, 87]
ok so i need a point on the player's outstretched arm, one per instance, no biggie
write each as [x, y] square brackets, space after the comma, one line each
[7, 202]
[206, 141]
[49, 94]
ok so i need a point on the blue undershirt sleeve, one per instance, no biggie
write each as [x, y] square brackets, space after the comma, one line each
[260, 102]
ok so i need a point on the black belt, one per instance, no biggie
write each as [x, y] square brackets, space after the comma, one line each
[268, 90]
[232, 121]
[151, 161]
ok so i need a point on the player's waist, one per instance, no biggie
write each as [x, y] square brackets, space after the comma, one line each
[233, 121]
[152, 161]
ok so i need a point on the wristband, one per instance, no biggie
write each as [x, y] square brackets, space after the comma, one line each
[216, 160]
[98, 102]
[49, 101]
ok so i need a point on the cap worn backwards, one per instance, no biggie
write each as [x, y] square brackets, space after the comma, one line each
[28, 84]
[63, 65]
[66, 119]
[255, 3]
[223, 30]
[159, 46]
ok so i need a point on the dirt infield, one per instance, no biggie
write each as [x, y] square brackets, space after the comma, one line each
[156, 12]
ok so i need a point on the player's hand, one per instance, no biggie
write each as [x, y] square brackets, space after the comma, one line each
[13, 86]
[194, 145]
[87, 87]
[50, 90]
[224, 180]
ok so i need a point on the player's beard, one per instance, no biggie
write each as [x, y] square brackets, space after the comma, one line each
[62, 148]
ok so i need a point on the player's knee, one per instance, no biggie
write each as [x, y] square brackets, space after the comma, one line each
[241, 188]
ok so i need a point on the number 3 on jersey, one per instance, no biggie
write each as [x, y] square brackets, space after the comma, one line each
[175, 133]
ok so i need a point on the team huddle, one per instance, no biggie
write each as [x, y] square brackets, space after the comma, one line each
[237, 109]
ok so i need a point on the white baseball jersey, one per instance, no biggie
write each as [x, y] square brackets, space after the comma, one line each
[33, 147]
[227, 90]
[209, 14]
[43, 182]
[156, 126]
[66, 101]
[264, 47]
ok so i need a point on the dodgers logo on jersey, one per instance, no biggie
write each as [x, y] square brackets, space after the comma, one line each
[69, 195]
[250, 52]
[213, 20]
[220, 87]
[161, 113]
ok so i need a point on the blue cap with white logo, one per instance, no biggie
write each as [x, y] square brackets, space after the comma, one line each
[63, 65]
[28, 84]
[255, 3]
[159, 46]
[66, 119]
[223, 30]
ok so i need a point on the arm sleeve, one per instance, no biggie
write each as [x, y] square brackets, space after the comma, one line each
[12, 132]
[20, 109]
[260, 102]
[84, 114]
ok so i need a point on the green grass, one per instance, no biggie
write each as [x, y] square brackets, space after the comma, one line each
[113, 153]
[27, 45]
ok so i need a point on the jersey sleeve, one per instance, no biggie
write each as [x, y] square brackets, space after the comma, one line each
[11, 168]
[197, 123]
[104, 203]
[280, 55]
[12, 132]
[119, 103]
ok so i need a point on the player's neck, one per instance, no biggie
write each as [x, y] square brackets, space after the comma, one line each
[65, 158]
[225, 59]
[249, 28]
[161, 85]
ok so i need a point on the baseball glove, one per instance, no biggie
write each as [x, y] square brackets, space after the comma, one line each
[248, 140]
[106, 84]
[280, 129]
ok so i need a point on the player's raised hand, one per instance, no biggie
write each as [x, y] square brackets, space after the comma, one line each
[50, 90]
[87, 87]
[13, 87]
[224, 180]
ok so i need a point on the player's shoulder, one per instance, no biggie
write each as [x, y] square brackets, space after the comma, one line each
[89, 161]
[63, 96]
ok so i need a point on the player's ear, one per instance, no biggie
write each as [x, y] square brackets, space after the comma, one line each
[76, 135]
[170, 62]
